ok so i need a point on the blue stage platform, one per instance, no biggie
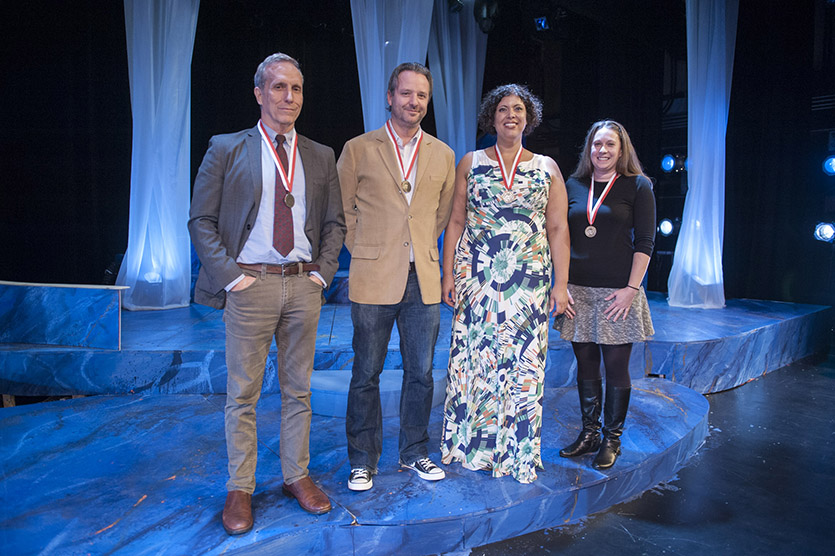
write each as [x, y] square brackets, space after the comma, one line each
[181, 351]
[134, 472]
[146, 475]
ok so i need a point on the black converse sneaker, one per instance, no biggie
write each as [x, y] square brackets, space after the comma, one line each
[425, 469]
[360, 479]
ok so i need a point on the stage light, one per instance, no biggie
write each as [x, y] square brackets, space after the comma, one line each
[485, 13]
[674, 163]
[825, 231]
[665, 227]
[829, 165]
[541, 23]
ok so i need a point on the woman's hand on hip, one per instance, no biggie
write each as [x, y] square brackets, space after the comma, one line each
[622, 302]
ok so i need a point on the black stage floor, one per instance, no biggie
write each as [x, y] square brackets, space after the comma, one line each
[763, 483]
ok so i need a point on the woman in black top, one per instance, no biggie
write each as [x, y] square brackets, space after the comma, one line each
[611, 220]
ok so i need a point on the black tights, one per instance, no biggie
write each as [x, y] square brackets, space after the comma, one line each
[615, 359]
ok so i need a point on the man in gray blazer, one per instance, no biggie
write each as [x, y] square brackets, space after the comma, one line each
[267, 223]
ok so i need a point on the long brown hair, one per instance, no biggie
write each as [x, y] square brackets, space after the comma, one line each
[628, 163]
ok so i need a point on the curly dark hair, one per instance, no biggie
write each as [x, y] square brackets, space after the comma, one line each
[487, 111]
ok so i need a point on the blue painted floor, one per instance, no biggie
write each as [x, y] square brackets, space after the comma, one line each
[146, 475]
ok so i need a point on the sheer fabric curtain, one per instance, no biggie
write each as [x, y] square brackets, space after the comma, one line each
[160, 40]
[386, 34]
[696, 278]
[457, 50]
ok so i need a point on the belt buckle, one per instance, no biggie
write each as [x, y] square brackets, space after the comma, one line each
[287, 269]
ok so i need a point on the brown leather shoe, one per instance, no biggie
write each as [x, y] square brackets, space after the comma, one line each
[237, 512]
[310, 497]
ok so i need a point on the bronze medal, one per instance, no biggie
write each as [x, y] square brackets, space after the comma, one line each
[591, 209]
[507, 177]
[405, 171]
[289, 200]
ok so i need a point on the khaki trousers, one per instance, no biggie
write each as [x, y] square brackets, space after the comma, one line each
[287, 308]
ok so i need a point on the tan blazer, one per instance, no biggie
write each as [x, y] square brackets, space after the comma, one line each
[382, 226]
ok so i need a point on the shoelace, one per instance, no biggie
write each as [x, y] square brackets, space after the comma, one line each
[426, 463]
[360, 473]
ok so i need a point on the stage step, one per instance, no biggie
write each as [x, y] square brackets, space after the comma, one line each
[182, 351]
[329, 391]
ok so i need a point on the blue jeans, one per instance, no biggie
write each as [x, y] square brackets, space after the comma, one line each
[418, 325]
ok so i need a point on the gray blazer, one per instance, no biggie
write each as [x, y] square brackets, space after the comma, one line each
[227, 193]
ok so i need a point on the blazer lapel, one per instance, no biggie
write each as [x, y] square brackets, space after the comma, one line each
[312, 173]
[385, 149]
[424, 156]
[253, 147]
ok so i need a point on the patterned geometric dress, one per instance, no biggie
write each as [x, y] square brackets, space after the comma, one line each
[493, 407]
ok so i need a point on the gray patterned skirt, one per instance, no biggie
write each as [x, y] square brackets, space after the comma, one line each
[590, 325]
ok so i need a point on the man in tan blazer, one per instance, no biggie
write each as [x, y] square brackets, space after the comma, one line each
[397, 184]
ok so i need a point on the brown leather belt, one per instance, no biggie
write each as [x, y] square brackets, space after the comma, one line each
[283, 269]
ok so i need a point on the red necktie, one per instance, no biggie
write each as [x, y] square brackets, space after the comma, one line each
[282, 215]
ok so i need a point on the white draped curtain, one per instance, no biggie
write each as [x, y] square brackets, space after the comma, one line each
[386, 33]
[696, 278]
[457, 50]
[160, 40]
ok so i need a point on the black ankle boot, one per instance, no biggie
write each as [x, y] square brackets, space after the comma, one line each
[614, 415]
[591, 392]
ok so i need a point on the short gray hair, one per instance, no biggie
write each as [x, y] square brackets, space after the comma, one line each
[270, 60]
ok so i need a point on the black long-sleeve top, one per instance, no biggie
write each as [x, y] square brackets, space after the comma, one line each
[625, 225]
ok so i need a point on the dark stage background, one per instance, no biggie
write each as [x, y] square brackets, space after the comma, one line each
[65, 117]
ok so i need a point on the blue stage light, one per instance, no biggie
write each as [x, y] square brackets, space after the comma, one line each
[825, 231]
[665, 227]
[829, 165]
[668, 163]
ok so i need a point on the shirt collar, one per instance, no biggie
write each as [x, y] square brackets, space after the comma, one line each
[271, 133]
[411, 141]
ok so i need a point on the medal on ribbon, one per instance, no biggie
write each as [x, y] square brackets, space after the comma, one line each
[404, 185]
[591, 211]
[285, 173]
[507, 178]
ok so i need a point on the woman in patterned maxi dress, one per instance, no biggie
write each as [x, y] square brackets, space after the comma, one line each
[507, 231]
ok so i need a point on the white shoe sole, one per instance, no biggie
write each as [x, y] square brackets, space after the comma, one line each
[425, 476]
[361, 487]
